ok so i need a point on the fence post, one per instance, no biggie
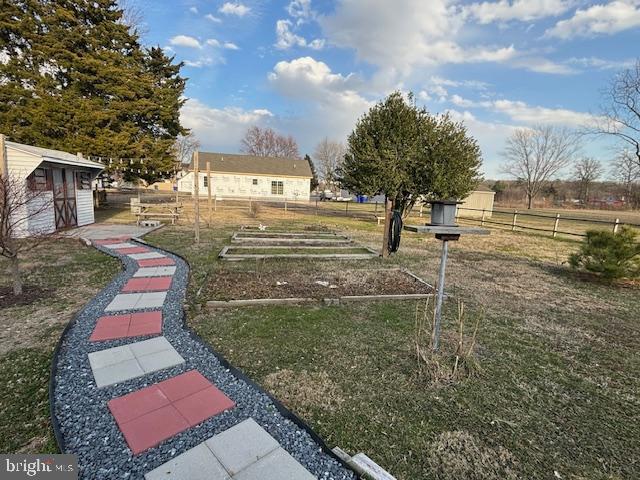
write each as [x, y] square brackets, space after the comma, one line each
[215, 203]
[515, 218]
[346, 209]
[196, 195]
[615, 225]
[316, 207]
[209, 191]
[421, 205]
[250, 205]
[555, 225]
[482, 220]
[285, 205]
[376, 207]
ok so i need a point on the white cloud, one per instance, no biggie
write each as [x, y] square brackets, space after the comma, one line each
[300, 10]
[212, 18]
[212, 42]
[185, 41]
[286, 38]
[601, 63]
[231, 46]
[542, 65]
[474, 84]
[237, 9]
[607, 19]
[521, 10]
[199, 63]
[220, 129]
[193, 9]
[521, 112]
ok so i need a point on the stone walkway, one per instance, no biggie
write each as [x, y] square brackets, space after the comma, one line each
[159, 411]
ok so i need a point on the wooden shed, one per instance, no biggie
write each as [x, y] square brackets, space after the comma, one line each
[477, 201]
[65, 181]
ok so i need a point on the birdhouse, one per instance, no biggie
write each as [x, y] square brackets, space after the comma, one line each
[443, 212]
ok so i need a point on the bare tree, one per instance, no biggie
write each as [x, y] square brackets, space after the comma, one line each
[184, 147]
[20, 203]
[626, 171]
[133, 17]
[266, 142]
[621, 115]
[535, 155]
[586, 171]
[329, 156]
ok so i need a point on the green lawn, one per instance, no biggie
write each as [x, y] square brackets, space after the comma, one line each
[558, 386]
[68, 275]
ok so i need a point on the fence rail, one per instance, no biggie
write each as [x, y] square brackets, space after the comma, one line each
[518, 220]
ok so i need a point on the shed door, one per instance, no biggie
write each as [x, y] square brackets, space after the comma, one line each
[64, 199]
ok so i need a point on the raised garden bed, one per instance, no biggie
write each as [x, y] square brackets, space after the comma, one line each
[295, 286]
[233, 253]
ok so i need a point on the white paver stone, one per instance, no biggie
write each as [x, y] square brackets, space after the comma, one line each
[110, 356]
[123, 301]
[146, 255]
[197, 463]
[151, 300]
[241, 445]
[117, 373]
[159, 360]
[116, 246]
[278, 465]
[155, 272]
[147, 347]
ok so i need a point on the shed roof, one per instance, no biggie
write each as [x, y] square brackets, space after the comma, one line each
[55, 156]
[483, 188]
[249, 164]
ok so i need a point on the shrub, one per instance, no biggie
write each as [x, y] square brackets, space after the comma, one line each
[612, 255]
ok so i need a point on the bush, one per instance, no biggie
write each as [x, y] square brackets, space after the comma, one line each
[612, 255]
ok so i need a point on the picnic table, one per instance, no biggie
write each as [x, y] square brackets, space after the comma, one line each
[143, 211]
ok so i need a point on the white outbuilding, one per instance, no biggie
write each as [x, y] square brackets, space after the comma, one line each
[63, 180]
[247, 176]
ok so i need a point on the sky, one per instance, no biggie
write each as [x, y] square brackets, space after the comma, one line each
[311, 68]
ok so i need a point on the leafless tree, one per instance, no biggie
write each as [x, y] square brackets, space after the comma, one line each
[586, 171]
[20, 203]
[184, 147]
[621, 114]
[133, 17]
[329, 156]
[626, 171]
[535, 155]
[266, 142]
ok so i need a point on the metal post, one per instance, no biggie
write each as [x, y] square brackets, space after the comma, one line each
[209, 191]
[421, 205]
[4, 161]
[196, 195]
[440, 295]
[482, 221]
[346, 208]
[515, 218]
[555, 225]
[615, 225]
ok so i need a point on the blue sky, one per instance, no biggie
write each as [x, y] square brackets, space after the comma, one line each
[310, 68]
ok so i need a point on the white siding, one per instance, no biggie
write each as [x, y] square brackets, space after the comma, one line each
[84, 206]
[43, 218]
[242, 186]
[21, 164]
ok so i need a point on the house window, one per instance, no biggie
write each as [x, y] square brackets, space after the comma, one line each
[277, 188]
[83, 180]
[255, 181]
[40, 180]
[206, 181]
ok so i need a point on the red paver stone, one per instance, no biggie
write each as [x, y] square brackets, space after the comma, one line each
[147, 284]
[153, 428]
[128, 250]
[184, 385]
[206, 403]
[156, 262]
[130, 325]
[136, 404]
[155, 413]
[109, 328]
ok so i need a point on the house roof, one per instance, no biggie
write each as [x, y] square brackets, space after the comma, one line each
[249, 164]
[483, 188]
[55, 156]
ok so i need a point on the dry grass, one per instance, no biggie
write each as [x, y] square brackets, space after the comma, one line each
[306, 390]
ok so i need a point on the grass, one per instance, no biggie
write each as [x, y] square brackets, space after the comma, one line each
[69, 274]
[558, 385]
[296, 250]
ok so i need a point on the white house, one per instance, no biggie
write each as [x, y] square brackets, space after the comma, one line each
[247, 176]
[64, 181]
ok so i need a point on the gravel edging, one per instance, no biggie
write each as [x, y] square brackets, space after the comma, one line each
[84, 426]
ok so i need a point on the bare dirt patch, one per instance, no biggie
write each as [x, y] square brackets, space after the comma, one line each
[237, 285]
[30, 294]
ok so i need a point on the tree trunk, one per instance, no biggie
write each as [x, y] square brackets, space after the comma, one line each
[15, 275]
[387, 223]
[529, 201]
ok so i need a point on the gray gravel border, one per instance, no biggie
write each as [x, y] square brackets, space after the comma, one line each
[85, 427]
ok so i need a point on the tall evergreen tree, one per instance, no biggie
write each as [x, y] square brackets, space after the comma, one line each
[314, 175]
[76, 79]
